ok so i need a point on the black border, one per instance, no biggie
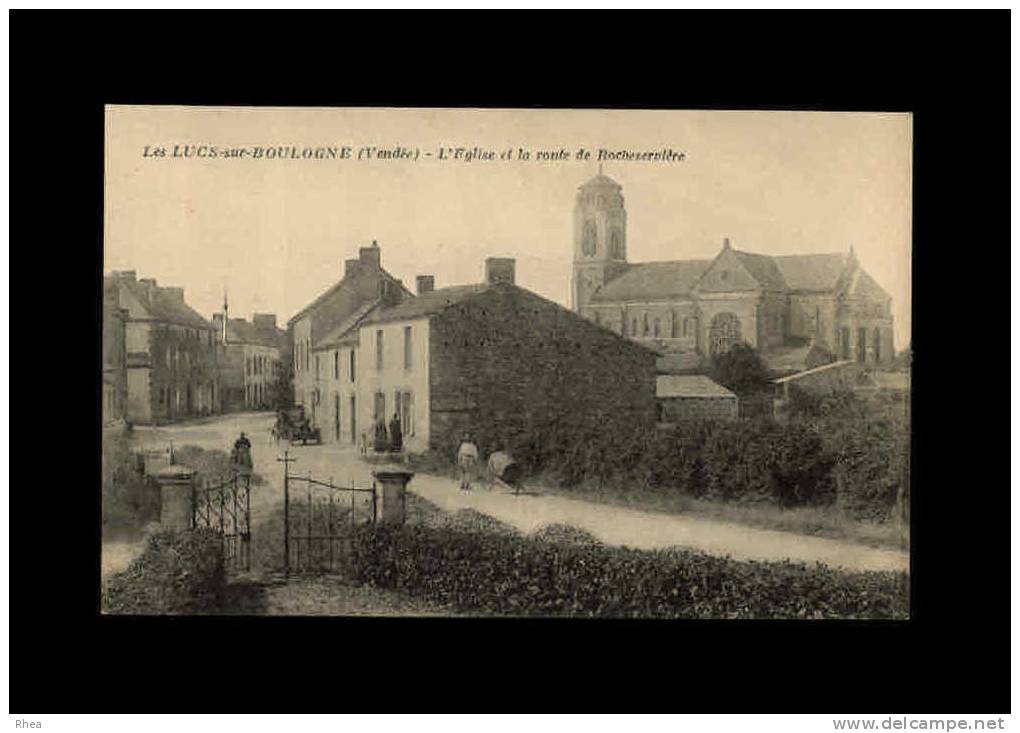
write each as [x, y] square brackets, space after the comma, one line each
[949, 69]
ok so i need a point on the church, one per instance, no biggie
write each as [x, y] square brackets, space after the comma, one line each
[792, 308]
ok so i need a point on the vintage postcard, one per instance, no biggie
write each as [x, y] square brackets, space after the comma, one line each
[506, 362]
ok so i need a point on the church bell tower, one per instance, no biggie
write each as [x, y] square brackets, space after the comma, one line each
[600, 237]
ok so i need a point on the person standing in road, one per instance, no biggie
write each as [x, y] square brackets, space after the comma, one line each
[467, 458]
[396, 435]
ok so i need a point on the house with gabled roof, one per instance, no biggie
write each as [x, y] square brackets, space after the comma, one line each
[172, 364]
[364, 281]
[251, 360]
[792, 308]
[490, 358]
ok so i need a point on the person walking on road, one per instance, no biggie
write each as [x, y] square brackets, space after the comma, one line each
[467, 458]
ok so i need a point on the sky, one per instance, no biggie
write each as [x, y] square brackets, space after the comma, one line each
[274, 233]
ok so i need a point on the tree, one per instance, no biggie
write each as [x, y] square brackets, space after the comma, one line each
[741, 370]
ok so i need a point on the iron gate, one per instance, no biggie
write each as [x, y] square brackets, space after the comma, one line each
[225, 505]
[315, 515]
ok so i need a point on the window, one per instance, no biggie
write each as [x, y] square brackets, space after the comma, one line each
[379, 350]
[878, 345]
[380, 406]
[633, 327]
[168, 356]
[336, 373]
[674, 327]
[351, 365]
[645, 325]
[656, 328]
[407, 347]
[316, 366]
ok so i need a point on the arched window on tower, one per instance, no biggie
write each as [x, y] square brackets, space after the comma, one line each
[645, 325]
[588, 237]
[674, 325]
[616, 244]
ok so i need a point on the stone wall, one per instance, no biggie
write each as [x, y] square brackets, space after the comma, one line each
[511, 358]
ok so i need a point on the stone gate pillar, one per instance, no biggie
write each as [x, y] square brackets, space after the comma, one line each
[392, 494]
[176, 485]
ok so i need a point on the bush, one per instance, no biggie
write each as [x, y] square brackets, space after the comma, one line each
[564, 533]
[179, 572]
[513, 575]
[130, 499]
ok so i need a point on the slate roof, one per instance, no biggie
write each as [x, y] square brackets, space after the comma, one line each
[650, 281]
[336, 335]
[692, 385]
[165, 307]
[812, 272]
[427, 304]
[244, 332]
[763, 268]
[341, 283]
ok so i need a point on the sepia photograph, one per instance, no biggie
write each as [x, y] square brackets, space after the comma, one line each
[552, 363]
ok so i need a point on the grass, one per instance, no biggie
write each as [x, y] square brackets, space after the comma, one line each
[814, 521]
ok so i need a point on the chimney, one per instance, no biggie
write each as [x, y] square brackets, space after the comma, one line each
[351, 267]
[369, 256]
[426, 284]
[500, 270]
[726, 243]
[264, 320]
[175, 293]
[149, 286]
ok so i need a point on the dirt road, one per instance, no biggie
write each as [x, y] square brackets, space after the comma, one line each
[612, 525]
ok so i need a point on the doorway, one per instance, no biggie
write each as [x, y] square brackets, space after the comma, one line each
[336, 417]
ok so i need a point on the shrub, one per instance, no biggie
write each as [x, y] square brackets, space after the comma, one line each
[564, 533]
[130, 499]
[178, 572]
[513, 575]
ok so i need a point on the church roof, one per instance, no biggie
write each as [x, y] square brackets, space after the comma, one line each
[763, 268]
[812, 272]
[650, 281]
[601, 180]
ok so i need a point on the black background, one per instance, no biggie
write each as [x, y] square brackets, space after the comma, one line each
[950, 69]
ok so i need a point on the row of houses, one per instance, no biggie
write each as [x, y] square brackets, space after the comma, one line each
[163, 361]
[446, 360]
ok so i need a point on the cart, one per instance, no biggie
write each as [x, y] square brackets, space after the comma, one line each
[502, 469]
[293, 426]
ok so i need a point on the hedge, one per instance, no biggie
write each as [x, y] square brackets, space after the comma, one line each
[521, 576]
[178, 572]
[843, 450]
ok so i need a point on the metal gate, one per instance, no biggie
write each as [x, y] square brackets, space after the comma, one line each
[225, 505]
[315, 516]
